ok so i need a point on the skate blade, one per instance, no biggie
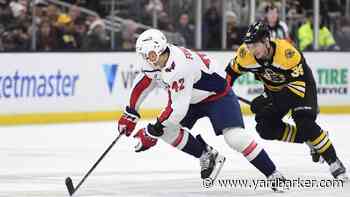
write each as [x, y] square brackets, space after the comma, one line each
[219, 162]
[344, 178]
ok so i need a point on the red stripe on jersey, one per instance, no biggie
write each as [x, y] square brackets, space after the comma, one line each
[219, 95]
[250, 148]
[229, 79]
[168, 110]
[179, 138]
[138, 89]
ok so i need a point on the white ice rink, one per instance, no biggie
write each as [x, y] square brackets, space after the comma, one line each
[35, 160]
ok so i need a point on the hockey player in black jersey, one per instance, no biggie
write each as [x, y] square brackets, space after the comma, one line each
[289, 86]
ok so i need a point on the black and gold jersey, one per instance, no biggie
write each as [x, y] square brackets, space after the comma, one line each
[284, 70]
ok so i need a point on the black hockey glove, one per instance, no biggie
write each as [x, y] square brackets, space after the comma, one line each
[155, 130]
[261, 104]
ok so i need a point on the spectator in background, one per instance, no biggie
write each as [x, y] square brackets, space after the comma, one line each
[260, 10]
[212, 29]
[178, 7]
[186, 30]
[128, 36]
[6, 16]
[47, 38]
[52, 12]
[342, 36]
[151, 7]
[18, 9]
[97, 38]
[278, 28]
[80, 31]
[40, 11]
[154, 5]
[65, 33]
[305, 36]
[234, 32]
[164, 22]
[16, 38]
[74, 13]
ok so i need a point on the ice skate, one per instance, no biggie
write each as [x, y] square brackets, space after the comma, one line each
[211, 163]
[277, 180]
[338, 171]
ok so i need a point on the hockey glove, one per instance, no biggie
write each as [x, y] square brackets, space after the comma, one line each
[127, 122]
[261, 104]
[144, 140]
[147, 137]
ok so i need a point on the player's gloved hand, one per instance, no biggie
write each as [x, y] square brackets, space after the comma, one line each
[147, 137]
[261, 104]
[127, 121]
[145, 141]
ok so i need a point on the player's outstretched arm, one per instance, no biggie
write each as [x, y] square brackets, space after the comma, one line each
[142, 87]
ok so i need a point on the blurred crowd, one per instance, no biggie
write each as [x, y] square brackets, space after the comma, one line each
[56, 29]
[67, 29]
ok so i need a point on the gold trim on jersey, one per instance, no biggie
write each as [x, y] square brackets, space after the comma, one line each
[297, 87]
[290, 133]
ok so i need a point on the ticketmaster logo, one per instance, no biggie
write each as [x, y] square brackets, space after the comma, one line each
[110, 73]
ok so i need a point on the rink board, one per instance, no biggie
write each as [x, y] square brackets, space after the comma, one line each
[64, 87]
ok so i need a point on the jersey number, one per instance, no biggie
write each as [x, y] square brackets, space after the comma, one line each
[297, 71]
[178, 85]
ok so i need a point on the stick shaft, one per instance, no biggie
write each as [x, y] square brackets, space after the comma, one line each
[96, 163]
[244, 100]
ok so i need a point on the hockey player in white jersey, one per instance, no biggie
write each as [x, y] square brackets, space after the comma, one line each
[195, 90]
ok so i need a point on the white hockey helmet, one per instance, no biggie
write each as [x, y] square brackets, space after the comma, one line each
[151, 44]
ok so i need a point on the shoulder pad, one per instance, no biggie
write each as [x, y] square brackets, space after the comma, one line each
[244, 58]
[286, 55]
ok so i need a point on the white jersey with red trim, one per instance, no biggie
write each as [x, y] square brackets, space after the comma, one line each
[189, 77]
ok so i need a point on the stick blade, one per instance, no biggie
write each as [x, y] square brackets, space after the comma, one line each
[70, 187]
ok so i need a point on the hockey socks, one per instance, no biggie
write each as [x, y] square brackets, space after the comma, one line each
[184, 141]
[259, 158]
[193, 147]
[323, 145]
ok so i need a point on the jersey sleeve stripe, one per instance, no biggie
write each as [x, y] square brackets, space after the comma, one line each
[138, 90]
[297, 92]
[167, 111]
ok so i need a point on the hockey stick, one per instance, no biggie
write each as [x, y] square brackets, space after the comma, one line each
[244, 100]
[69, 182]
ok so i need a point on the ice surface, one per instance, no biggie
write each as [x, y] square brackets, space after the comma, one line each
[35, 160]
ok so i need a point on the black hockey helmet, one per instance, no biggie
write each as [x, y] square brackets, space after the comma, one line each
[256, 32]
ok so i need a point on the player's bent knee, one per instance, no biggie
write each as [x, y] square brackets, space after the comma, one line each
[242, 142]
[237, 138]
[308, 128]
